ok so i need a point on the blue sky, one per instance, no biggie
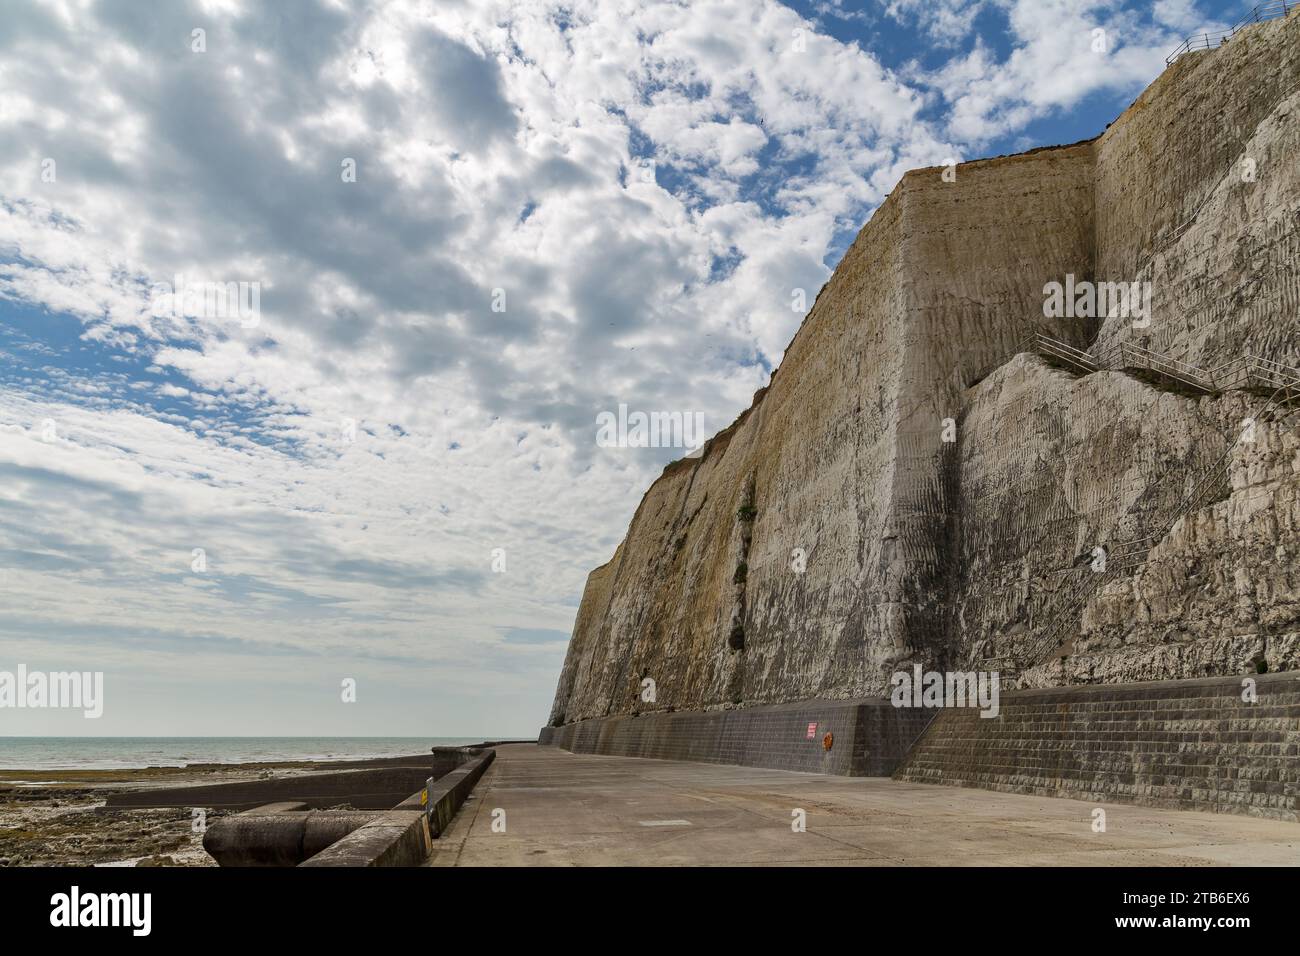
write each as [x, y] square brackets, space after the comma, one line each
[389, 472]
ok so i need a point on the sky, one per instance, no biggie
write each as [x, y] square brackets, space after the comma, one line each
[366, 503]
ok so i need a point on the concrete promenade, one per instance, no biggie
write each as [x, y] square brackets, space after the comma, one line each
[562, 809]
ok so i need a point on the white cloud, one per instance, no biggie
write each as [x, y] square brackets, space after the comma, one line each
[945, 21]
[1061, 52]
[349, 464]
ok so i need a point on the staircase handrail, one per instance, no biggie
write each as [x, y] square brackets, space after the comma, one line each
[1174, 368]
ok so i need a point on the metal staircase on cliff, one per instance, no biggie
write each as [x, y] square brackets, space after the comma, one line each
[1278, 382]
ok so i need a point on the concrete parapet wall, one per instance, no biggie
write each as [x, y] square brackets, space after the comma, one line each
[375, 789]
[1184, 744]
[869, 736]
[286, 833]
[394, 838]
[450, 791]
[402, 836]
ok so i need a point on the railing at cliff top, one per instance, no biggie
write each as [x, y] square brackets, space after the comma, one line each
[1272, 10]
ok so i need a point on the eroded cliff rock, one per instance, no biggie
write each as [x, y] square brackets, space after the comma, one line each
[832, 535]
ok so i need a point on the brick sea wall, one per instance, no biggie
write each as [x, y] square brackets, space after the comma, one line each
[869, 737]
[1185, 744]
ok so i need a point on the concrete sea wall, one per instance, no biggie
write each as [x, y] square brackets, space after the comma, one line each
[381, 829]
[1184, 745]
[866, 737]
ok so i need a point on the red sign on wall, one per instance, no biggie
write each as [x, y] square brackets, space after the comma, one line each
[812, 730]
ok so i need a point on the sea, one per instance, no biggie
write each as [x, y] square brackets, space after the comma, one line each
[121, 753]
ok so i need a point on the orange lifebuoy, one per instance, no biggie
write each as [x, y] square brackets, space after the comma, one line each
[828, 741]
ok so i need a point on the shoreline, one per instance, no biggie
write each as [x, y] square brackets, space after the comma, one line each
[58, 817]
[20, 754]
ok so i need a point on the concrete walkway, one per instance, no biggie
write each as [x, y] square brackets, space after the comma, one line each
[562, 809]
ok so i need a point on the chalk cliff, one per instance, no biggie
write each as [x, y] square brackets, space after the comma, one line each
[832, 535]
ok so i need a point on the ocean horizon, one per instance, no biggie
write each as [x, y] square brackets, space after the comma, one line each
[129, 753]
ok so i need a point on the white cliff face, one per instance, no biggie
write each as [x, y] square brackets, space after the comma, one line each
[869, 542]
[1221, 592]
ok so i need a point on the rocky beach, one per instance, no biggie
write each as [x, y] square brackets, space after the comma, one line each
[58, 817]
